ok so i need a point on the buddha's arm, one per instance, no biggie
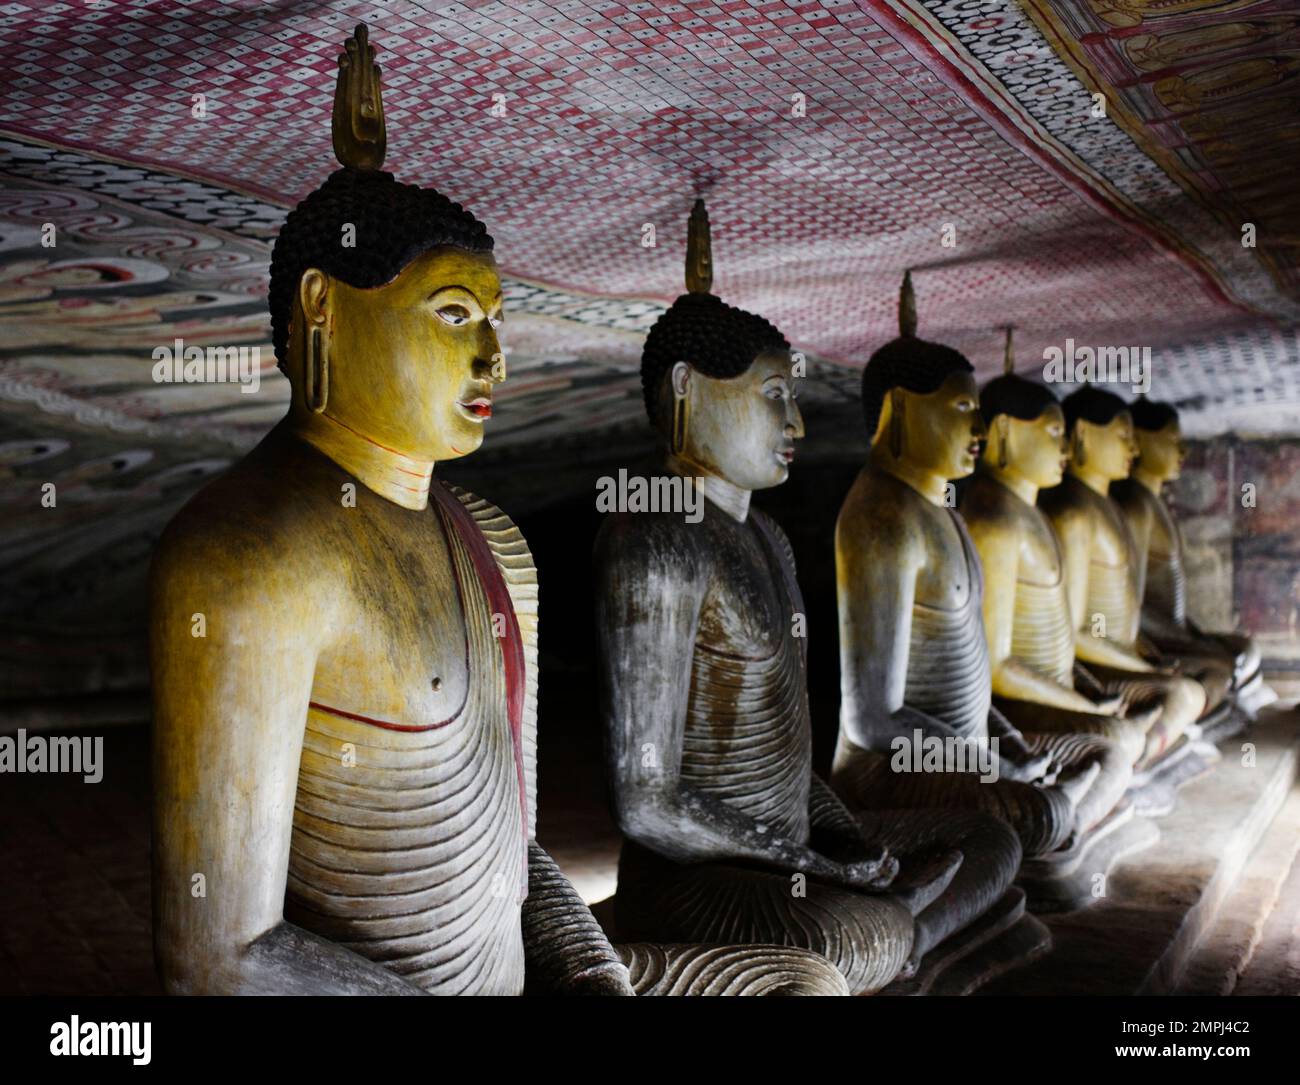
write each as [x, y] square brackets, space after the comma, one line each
[1076, 541]
[649, 589]
[1107, 653]
[565, 950]
[229, 713]
[836, 832]
[1162, 630]
[875, 576]
[1018, 761]
[1141, 522]
[999, 551]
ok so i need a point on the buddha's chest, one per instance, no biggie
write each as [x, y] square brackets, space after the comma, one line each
[1112, 543]
[1040, 554]
[947, 579]
[748, 608]
[405, 652]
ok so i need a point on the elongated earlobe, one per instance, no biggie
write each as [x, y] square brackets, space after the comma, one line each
[679, 424]
[316, 372]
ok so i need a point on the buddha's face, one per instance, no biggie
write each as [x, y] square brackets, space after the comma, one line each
[1108, 450]
[1161, 452]
[743, 428]
[942, 430]
[1036, 447]
[412, 363]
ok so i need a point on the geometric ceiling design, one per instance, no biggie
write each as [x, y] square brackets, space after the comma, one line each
[837, 144]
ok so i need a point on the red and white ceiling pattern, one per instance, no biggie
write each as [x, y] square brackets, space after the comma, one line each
[616, 114]
[919, 122]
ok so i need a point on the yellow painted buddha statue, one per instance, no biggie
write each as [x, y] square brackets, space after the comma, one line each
[1103, 573]
[343, 648]
[1225, 663]
[916, 713]
[730, 836]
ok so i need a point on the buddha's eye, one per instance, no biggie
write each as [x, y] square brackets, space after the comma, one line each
[775, 391]
[455, 315]
[497, 321]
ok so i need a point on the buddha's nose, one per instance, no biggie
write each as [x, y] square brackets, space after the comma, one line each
[977, 427]
[794, 421]
[491, 362]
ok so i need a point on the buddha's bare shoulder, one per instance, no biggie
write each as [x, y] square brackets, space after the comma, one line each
[883, 512]
[995, 516]
[1134, 498]
[1066, 504]
[987, 500]
[653, 543]
[267, 519]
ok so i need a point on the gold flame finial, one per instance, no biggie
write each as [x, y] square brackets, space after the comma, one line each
[1009, 354]
[907, 308]
[358, 125]
[699, 252]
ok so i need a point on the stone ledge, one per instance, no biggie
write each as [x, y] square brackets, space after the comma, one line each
[1227, 948]
[1159, 903]
[1274, 966]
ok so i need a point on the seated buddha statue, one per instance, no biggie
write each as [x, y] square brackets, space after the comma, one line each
[1222, 662]
[914, 665]
[344, 651]
[730, 835]
[343, 648]
[1103, 572]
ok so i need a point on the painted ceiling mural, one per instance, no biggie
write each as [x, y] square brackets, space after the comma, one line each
[837, 143]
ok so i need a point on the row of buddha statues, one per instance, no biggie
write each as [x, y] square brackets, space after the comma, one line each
[345, 748]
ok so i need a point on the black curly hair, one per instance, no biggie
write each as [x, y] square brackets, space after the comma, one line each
[1016, 397]
[715, 338]
[1092, 405]
[1152, 415]
[912, 364]
[395, 223]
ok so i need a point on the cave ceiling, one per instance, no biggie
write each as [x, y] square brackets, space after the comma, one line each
[1082, 170]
